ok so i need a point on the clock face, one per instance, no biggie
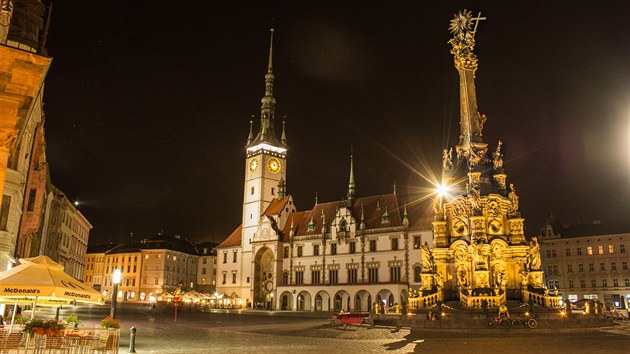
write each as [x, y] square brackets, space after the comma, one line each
[269, 286]
[253, 164]
[273, 165]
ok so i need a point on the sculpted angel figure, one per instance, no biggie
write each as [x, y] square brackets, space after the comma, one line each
[428, 262]
[533, 256]
[497, 157]
[513, 197]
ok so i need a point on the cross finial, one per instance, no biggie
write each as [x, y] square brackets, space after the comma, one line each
[477, 19]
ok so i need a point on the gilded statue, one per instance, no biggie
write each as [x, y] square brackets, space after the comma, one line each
[462, 276]
[480, 259]
[497, 157]
[439, 283]
[447, 159]
[428, 262]
[482, 118]
[513, 197]
[533, 254]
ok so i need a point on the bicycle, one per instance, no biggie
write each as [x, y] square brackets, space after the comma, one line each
[522, 321]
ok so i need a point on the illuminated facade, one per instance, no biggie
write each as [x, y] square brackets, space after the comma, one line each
[588, 261]
[346, 254]
[23, 68]
[479, 252]
[207, 268]
[148, 268]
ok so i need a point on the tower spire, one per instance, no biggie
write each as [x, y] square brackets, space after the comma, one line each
[351, 184]
[267, 133]
[250, 137]
[283, 137]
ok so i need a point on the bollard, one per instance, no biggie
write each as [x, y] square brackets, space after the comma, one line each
[132, 339]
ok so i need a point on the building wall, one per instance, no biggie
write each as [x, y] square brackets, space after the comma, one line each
[595, 267]
[130, 265]
[162, 270]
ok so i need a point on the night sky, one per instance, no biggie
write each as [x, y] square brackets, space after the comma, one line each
[148, 104]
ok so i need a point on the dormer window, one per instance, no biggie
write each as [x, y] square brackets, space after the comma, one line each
[311, 225]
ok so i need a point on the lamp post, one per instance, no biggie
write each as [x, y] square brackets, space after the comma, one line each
[115, 281]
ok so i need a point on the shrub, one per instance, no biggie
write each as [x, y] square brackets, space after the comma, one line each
[109, 322]
[50, 327]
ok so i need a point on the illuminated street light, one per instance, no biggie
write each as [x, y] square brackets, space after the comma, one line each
[442, 190]
[115, 281]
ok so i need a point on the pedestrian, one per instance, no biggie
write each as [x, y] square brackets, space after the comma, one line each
[484, 307]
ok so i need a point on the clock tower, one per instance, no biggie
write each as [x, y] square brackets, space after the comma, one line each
[265, 163]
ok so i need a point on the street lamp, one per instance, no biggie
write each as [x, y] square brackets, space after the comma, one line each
[115, 281]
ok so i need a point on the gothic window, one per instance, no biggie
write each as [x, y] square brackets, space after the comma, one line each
[31, 199]
[416, 274]
[299, 278]
[353, 247]
[299, 251]
[315, 250]
[333, 248]
[315, 277]
[372, 245]
[352, 276]
[394, 244]
[333, 276]
[394, 274]
[373, 275]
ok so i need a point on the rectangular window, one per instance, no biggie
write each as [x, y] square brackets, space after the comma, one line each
[333, 276]
[203, 270]
[624, 265]
[548, 253]
[234, 256]
[611, 249]
[627, 280]
[553, 253]
[589, 250]
[273, 191]
[394, 244]
[602, 267]
[251, 191]
[605, 283]
[234, 277]
[353, 247]
[333, 248]
[316, 250]
[613, 265]
[593, 283]
[4, 211]
[591, 267]
[225, 258]
[600, 249]
[571, 284]
[299, 251]
[285, 254]
[580, 267]
[315, 277]
[352, 276]
[373, 275]
[555, 269]
[372, 245]
[579, 251]
[582, 283]
[569, 268]
[31, 199]
[299, 278]
[568, 252]
[394, 274]
[416, 242]
[622, 248]
[615, 282]
[204, 261]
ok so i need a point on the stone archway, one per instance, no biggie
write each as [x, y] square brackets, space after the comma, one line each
[303, 302]
[341, 301]
[263, 277]
[286, 301]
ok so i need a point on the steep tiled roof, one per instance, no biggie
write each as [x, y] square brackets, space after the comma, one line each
[101, 248]
[235, 239]
[583, 230]
[276, 206]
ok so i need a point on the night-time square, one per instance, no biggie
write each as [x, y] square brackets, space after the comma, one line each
[365, 175]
